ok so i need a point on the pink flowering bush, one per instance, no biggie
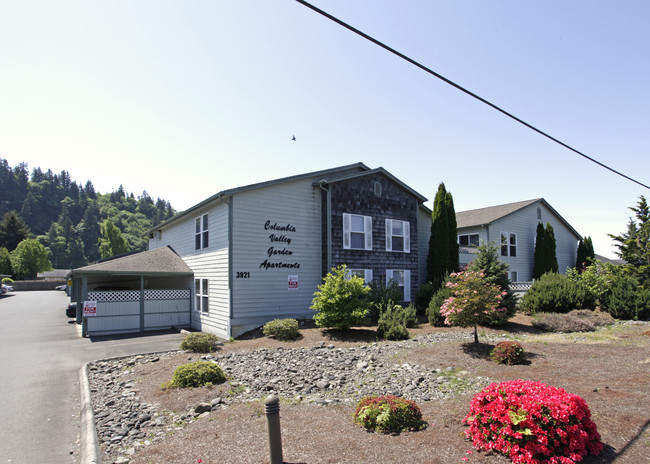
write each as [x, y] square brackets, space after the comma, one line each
[532, 423]
[389, 414]
[473, 300]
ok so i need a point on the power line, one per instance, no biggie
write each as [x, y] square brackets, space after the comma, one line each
[462, 89]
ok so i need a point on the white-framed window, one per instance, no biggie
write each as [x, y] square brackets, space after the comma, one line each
[202, 292]
[365, 274]
[201, 234]
[357, 232]
[513, 276]
[398, 236]
[403, 279]
[468, 240]
[508, 244]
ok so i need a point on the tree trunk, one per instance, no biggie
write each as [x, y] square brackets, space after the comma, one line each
[475, 333]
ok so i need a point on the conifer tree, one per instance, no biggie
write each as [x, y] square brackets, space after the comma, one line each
[552, 248]
[545, 256]
[585, 253]
[13, 230]
[443, 245]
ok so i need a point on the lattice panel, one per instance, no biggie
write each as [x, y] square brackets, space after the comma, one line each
[166, 294]
[124, 295]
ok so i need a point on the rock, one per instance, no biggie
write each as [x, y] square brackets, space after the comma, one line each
[203, 407]
[319, 374]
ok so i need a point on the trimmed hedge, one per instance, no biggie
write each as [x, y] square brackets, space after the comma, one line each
[508, 353]
[389, 414]
[282, 329]
[200, 342]
[196, 374]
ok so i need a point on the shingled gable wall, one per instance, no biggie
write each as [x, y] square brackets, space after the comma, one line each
[356, 196]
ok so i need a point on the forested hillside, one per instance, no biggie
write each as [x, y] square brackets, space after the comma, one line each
[67, 217]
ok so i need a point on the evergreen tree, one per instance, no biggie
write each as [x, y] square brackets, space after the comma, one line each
[454, 262]
[443, 244]
[13, 230]
[56, 246]
[89, 231]
[634, 244]
[552, 248]
[111, 243]
[545, 256]
[585, 253]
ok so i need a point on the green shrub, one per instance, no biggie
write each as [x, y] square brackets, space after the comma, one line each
[556, 293]
[380, 296]
[628, 300]
[555, 322]
[389, 414]
[423, 297]
[394, 321]
[200, 342]
[508, 353]
[196, 374]
[340, 301]
[282, 329]
[433, 311]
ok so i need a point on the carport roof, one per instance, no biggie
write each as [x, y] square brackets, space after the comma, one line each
[157, 262]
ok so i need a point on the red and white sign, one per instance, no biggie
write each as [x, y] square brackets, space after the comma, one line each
[90, 308]
[293, 283]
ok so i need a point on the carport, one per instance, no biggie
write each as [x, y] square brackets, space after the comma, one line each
[138, 292]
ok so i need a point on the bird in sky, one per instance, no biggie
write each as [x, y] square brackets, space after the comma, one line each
[293, 138]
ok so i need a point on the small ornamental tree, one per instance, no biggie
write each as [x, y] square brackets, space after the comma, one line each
[340, 301]
[495, 271]
[473, 300]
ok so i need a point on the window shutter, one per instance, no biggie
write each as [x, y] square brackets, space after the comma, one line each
[389, 235]
[407, 285]
[368, 276]
[346, 231]
[367, 227]
[407, 238]
[389, 276]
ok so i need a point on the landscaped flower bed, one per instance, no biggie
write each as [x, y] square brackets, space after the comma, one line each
[532, 423]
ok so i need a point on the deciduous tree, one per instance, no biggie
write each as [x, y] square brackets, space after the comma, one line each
[111, 243]
[29, 258]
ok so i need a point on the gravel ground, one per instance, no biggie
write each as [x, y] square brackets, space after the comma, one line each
[321, 377]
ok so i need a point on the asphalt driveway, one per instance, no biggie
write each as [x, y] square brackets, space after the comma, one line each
[41, 353]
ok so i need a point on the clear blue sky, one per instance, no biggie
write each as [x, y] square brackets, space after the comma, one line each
[185, 99]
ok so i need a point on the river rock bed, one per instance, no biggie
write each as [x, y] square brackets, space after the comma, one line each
[322, 374]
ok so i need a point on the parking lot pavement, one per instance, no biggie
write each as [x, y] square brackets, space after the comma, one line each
[42, 354]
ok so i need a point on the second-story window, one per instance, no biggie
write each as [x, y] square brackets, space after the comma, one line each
[468, 240]
[508, 244]
[398, 236]
[357, 232]
[201, 234]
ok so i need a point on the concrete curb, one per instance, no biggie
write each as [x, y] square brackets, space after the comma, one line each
[90, 452]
